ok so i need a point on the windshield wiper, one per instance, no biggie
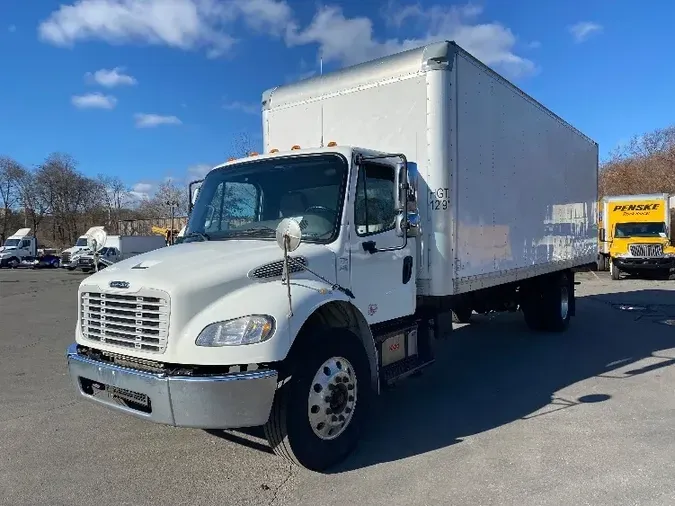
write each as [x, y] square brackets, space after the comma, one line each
[201, 235]
[253, 232]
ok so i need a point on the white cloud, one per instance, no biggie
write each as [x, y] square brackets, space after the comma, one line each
[141, 191]
[183, 24]
[110, 78]
[94, 101]
[154, 120]
[583, 30]
[248, 108]
[351, 40]
[199, 171]
[208, 25]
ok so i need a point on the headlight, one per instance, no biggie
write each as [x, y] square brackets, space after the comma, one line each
[245, 330]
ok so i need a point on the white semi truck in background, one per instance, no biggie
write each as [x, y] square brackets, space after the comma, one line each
[70, 256]
[21, 244]
[314, 275]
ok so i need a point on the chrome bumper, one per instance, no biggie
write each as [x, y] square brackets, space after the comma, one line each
[203, 402]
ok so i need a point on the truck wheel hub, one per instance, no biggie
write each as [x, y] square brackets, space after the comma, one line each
[332, 398]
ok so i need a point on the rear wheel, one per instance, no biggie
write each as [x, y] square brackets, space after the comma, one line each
[317, 415]
[547, 303]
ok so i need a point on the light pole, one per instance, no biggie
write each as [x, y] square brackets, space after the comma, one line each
[173, 204]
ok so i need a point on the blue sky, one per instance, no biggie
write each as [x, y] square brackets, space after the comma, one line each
[147, 89]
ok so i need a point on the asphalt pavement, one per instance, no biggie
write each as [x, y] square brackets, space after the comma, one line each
[505, 417]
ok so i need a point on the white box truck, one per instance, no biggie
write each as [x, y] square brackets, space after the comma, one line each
[117, 248]
[390, 193]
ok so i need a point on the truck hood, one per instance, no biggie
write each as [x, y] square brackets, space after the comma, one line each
[74, 249]
[191, 267]
[7, 248]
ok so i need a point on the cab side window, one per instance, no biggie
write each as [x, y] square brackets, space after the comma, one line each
[374, 211]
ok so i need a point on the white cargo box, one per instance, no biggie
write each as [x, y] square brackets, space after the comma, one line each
[507, 189]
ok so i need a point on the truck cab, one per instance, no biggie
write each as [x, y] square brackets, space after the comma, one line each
[634, 231]
[18, 246]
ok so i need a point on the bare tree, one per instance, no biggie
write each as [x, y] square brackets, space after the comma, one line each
[67, 195]
[645, 164]
[242, 146]
[168, 195]
[11, 173]
[116, 196]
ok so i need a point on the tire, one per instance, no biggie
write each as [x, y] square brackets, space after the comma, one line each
[547, 305]
[13, 262]
[291, 432]
[461, 314]
[614, 271]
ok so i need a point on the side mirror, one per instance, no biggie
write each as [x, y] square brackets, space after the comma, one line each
[602, 235]
[401, 187]
[192, 193]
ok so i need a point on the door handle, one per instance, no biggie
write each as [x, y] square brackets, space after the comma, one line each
[369, 246]
[407, 269]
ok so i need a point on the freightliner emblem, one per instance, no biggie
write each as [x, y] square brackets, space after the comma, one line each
[118, 284]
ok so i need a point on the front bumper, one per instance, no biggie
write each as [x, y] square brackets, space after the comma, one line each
[204, 402]
[639, 263]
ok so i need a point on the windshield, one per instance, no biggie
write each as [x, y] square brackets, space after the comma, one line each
[249, 200]
[640, 229]
[12, 242]
[82, 241]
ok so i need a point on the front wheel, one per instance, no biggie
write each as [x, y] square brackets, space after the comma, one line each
[614, 271]
[318, 414]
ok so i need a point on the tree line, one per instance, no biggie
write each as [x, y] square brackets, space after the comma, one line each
[59, 203]
[645, 164]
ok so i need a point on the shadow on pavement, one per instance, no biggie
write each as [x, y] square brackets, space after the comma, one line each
[495, 371]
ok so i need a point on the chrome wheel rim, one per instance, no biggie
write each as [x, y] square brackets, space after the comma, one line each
[332, 398]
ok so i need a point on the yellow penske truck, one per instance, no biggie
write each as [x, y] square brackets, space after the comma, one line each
[633, 233]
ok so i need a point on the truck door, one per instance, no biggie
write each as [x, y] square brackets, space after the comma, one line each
[383, 283]
[27, 248]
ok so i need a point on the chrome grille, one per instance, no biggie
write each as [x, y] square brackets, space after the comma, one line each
[646, 250]
[275, 269]
[65, 257]
[127, 321]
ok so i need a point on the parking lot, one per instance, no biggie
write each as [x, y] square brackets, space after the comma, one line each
[504, 417]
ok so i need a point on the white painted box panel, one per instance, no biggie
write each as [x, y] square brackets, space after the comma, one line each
[526, 181]
[518, 184]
